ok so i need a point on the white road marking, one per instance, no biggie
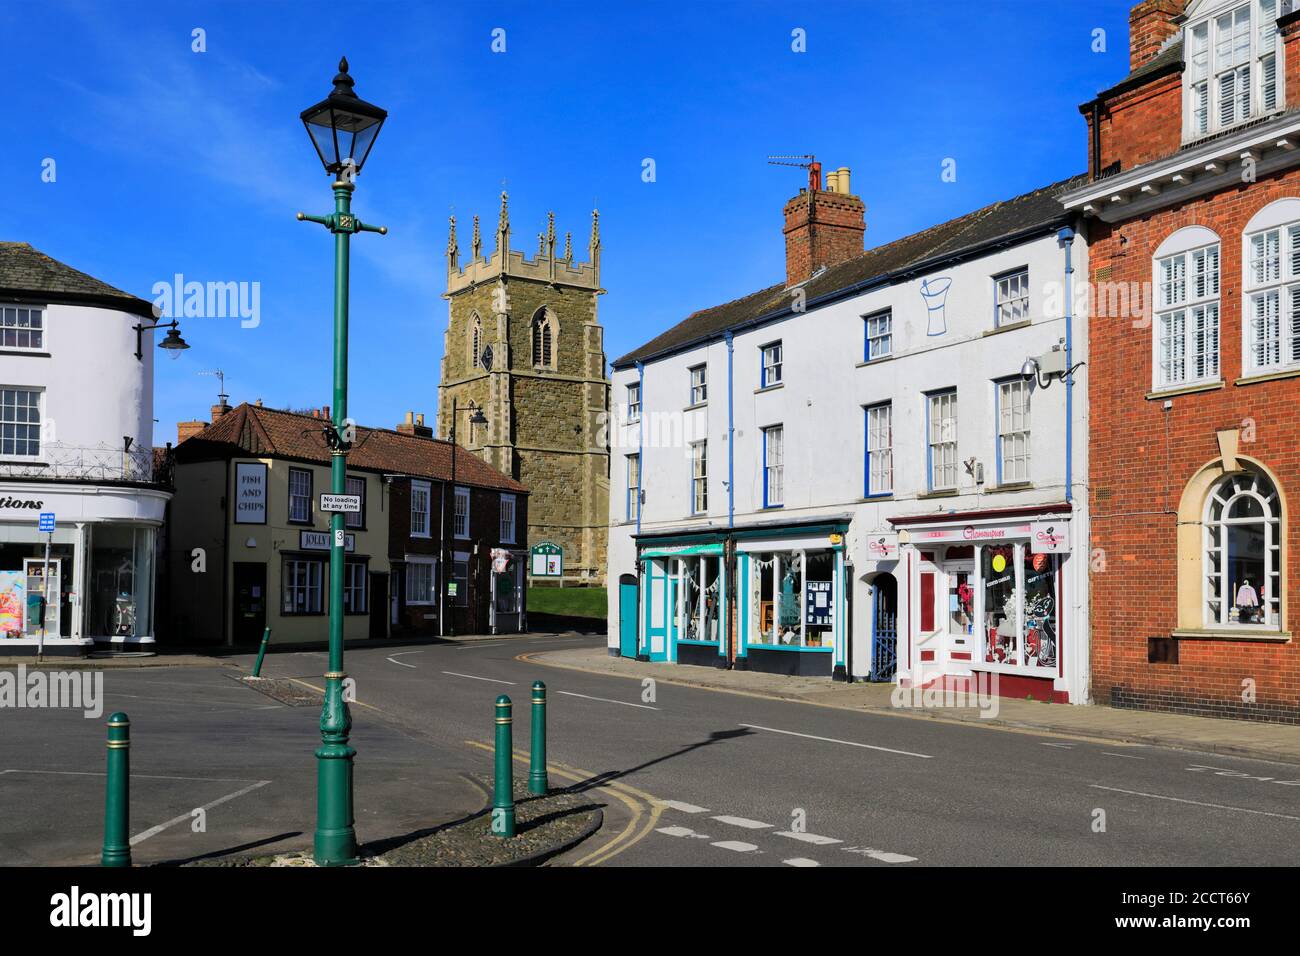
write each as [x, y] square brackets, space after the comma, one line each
[1195, 803]
[809, 837]
[832, 740]
[606, 700]
[154, 831]
[800, 861]
[736, 845]
[1241, 775]
[743, 822]
[683, 807]
[392, 659]
[882, 855]
[679, 832]
[1125, 756]
[465, 647]
[1062, 746]
[472, 677]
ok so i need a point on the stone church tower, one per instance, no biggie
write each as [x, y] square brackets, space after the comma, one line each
[523, 344]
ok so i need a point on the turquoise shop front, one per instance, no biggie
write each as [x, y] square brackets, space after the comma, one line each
[769, 598]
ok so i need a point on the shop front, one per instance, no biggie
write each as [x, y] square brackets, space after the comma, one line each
[766, 598]
[90, 580]
[988, 596]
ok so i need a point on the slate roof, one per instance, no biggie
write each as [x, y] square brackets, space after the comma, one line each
[1168, 60]
[269, 432]
[911, 255]
[27, 273]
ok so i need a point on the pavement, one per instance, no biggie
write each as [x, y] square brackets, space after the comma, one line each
[1279, 742]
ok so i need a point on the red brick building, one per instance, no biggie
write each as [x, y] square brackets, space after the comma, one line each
[1192, 210]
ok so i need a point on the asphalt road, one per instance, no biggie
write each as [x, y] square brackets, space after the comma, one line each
[690, 777]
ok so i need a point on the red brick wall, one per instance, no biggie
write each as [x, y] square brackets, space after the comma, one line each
[831, 234]
[1142, 125]
[1141, 458]
[1150, 23]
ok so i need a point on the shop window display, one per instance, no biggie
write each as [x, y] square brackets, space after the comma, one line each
[793, 598]
[121, 578]
[1040, 609]
[701, 590]
[997, 570]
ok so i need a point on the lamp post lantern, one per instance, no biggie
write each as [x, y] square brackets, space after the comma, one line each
[343, 129]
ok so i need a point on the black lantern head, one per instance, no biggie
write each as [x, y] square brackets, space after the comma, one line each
[342, 126]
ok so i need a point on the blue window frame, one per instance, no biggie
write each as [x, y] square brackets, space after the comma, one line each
[941, 440]
[633, 493]
[878, 329]
[878, 468]
[773, 365]
[774, 466]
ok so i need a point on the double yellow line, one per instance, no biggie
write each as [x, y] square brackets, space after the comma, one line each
[644, 808]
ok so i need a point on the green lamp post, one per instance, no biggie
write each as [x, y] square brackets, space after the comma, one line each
[343, 129]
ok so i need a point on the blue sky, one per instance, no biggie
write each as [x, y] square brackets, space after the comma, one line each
[171, 161]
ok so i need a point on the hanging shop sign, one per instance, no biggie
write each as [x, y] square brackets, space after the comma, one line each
[320, 541]
[1050, 537]
[546, 560]
[882, 546]
[500, 560]
[819, 602]
[250, 492]
[973, 533]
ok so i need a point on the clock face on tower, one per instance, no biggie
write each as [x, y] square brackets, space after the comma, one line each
[486, 358]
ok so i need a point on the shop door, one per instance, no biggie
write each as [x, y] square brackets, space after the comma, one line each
[884, 628]
[627, 631]
[248, 617]
[657, 609]
[378, 605]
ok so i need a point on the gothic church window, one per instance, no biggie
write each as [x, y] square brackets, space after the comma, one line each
[543, 340]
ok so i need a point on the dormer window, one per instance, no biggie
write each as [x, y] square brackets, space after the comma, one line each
[1232, 70]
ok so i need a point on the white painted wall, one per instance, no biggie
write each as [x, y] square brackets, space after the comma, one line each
[826, 386]
[96, 391]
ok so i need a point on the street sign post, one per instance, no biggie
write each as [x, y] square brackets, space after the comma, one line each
[46, 524]
[340, 504]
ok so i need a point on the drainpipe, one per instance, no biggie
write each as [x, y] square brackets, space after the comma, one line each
[640, 440]
[1066, 237]
[731, 435]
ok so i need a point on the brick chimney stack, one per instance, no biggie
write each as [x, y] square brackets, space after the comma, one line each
[1150, 24]
[823, 227]
[414, 425]
[189, 429]
[220, 409]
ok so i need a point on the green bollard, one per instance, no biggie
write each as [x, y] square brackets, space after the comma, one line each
[117, 802]
[537, 782]
[503, 799]
[261, 652]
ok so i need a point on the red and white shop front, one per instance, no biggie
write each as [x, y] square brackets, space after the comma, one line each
[989, 593]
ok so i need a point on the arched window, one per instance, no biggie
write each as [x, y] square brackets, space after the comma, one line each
[1271, 279]
[1185, 333]
[543, 340]
[475, 341]
[1242, 563]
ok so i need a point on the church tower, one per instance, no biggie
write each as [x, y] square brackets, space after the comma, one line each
[524, 345]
